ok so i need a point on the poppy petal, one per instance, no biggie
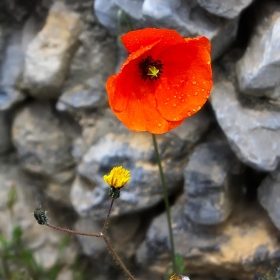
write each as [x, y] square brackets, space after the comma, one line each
[187, 79]
[119, 86]
[140, 113]
[138, 39]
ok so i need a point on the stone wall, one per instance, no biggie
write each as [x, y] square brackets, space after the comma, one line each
[58, 138]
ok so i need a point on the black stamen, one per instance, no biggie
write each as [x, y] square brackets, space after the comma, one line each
[147, 63]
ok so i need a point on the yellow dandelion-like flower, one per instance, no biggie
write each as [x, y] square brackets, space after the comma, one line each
[118, 177]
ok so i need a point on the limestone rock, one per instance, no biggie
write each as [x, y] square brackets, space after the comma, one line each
[5, 139]
[194, 128]
[97, 124]
[107, 13]
[91, 66]
[226, 9]
[11, 71]
[187, 17]
[48, 56]
[246, 242]
[124, 230]
[190, 20]
[43, 242]
[135, 152]
[209, 189]
[269, 196]
[43, 147]
[248, 124]
[258, 71]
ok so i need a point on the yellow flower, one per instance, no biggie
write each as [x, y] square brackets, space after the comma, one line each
[118, 177]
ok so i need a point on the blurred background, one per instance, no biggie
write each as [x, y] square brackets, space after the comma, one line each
[59, 137]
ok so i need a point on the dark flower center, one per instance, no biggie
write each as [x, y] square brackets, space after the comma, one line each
[150, 68]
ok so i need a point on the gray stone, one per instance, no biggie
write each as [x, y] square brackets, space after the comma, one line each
[208, 186]
[258, 71]
[13, 11]
[91, 66]
[269, 196]
[13, 44]
[43, 242]
[59, 192]
[252, 128]
[235, 249]
[194, 128]
[43, 147]
[95, 125]
[226, 9]
[107, 12]
[132, 7]
[5, 139]
[48, 56]
[11, 71]
[124, 230]
[135, 152]
[186, 17]
[190, 20]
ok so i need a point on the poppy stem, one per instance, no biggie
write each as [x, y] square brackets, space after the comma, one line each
[166, 202]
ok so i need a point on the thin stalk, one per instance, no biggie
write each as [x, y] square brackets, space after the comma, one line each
[126, 271]
[108, 216]
[73, 231]
[119, 20]
[101, 234]
[127, 21]
[166, 202]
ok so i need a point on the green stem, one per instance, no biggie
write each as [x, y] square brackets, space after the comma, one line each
[166, 202]
[122, 15]
[127, 21]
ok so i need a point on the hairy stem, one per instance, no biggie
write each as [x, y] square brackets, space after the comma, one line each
[117, 258]
[108, 216]
[73, 231]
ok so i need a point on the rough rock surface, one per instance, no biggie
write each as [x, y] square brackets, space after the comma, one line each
[5, 140]
[226, 9]
[187, 17]
[107, 12]
[248, 124]
[43, 147]
[194, 128]
[269, 196]
[11, 71]
[246, 242]
[220, 229]
[92, 64]
[258, 71]
[48, 56]
[135, 152]
[97, 249]
[208, 177]
[42, 241]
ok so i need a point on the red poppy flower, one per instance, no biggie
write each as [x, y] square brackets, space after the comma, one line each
[165, 79]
